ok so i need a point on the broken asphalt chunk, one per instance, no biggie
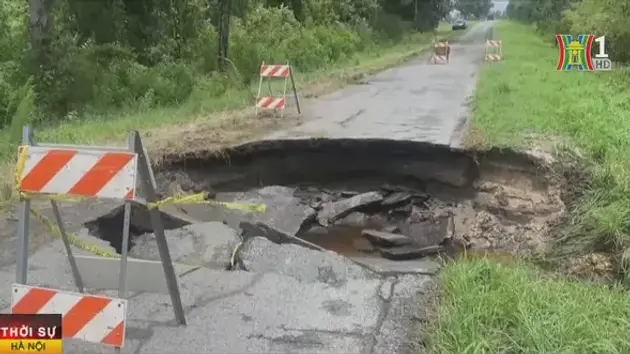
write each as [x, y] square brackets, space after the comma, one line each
[335, 210]
[391, 228]
[382, 238]
[348, 194]
[404, 253]
[398, 188]
[283, 212]
[427, 233]
[209, 244]
[386, 267]
[418, 215]
[354, 219]
[250, 230]
[260, 255]
[402, 210]
[396, 198]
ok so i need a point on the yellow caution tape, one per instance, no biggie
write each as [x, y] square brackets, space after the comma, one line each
[53, 228]
[56, 197]
[21, 162]
[199, 198]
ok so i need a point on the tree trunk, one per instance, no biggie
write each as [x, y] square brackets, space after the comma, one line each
[298, 9]
[415, 12]
[40, 36]
[225, 11]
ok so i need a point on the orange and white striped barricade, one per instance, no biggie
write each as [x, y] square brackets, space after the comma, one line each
[70, 172]
[441, 53]
[92, 318]
[271, 101]
[494, 51]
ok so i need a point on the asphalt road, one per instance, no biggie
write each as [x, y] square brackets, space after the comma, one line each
[294, 300]
[417, 101]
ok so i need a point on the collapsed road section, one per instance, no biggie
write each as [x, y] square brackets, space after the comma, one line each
[366, 200]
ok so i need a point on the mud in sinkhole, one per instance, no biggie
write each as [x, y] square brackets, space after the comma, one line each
[360, 198]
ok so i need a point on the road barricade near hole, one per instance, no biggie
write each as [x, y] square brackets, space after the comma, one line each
[96, 319]
[494, 51]
[440, 53]
[56, 172]
[278, 101]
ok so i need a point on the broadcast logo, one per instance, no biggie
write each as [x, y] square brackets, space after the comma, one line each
[577, 53]
[30, 334]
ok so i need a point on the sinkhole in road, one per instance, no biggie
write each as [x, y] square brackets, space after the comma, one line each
[398, 200]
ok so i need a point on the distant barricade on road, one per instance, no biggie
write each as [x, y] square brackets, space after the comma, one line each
[269, 101]
[494, 50]
[441, 53]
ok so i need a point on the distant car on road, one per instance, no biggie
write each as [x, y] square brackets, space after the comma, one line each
[459, 25]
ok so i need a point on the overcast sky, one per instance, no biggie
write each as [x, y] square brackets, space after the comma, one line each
[500, 4]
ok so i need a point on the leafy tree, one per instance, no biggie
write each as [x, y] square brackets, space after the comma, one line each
[225, 13]
[425, 15]
[475, 8]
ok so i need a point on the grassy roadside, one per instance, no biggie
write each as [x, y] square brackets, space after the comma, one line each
[210, 121]
[488, 307]
[523, 102]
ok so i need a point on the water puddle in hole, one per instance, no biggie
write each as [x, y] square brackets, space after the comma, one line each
[349, 241]
[345, 240]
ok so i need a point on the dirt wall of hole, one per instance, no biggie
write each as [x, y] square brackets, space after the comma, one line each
[498, 199]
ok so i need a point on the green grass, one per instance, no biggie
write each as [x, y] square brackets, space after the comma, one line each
[524, 102]
[488, 307]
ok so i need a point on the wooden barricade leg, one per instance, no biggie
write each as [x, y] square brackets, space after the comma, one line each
[432, 54]
[260, 83]
[144, 169]
[297, 100]
[284, 93]
[448, 52]
[122, 274]
[78, 281]
[24, 220]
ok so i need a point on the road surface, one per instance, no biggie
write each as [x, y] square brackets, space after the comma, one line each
[297, 300]
[416, 101]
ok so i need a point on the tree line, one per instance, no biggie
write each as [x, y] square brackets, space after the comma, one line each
[600, 17]
[77, 57]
